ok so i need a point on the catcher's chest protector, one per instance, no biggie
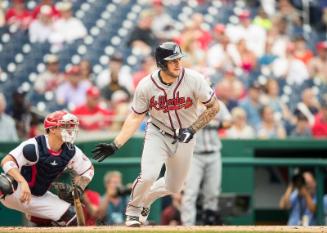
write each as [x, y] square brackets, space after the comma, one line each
[45, 171]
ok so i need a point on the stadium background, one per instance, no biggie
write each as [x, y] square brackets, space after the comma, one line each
[290, 34]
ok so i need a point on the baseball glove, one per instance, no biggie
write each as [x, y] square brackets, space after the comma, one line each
[65, 191]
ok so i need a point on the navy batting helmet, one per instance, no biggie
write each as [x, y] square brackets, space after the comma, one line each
[167, 51]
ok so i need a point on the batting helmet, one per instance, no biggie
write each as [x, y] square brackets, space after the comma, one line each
[167, 51]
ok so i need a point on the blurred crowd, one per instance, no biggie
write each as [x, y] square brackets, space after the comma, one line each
[252, 61]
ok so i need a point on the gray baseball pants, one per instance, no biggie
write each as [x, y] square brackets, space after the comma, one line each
[158, 150]
[207, 169]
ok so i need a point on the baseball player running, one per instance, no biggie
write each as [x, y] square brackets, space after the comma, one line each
[205, 169]
[36, 163]
[171, 96]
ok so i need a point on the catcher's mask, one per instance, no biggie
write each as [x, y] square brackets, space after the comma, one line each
[167, 51]
[67, 122]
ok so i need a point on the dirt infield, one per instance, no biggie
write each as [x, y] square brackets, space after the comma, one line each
[169, 229]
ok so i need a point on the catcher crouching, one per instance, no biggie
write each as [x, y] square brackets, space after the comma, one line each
[32, 167]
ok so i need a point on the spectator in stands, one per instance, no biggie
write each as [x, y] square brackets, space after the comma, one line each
[21, 113]
[290, 67]
[272, 99]
[219, 53]
[240, 129]
[301, 51]
[254, 36]
[113, 204]
[268, 57]
[163, 26]
[120, 101]
[142, 38]
[318, 65]
[91, 201]
[51, 77]
[18, 15]
[251, 104]
[148, 65]
[300, 198]
[243, 57]
[202, 34]
[113, 86]
[319, 128]
[67, 28]
[262, 20]
[195, 56]
[223, 91]
[171, 215]
[41, 28]
[115, 68]
[302, 128]
[309, 105]
[72, 92]
[86, 70]
[291, 15]
[269, 127]
[91, 115]
[237, 88]
[8, 131]
[278, 37]
[54, 13]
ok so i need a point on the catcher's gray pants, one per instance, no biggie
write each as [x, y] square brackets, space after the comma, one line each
[158, 149]
[206, 168]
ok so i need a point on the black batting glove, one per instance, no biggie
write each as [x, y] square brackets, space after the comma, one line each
[104, 150]
[184, 135]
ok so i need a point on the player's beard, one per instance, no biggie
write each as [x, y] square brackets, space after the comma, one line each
[171, 74]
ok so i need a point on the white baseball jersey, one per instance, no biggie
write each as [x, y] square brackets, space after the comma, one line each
[174, 106]
[47, 206]
[79, 163]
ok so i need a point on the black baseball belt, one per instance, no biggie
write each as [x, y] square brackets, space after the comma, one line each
[163, 132]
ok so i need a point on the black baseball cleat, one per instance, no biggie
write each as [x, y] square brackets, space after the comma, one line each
[132, 221]
[144, 214]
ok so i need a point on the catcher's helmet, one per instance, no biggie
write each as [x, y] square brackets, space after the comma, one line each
[167, 51]
[66, 121]
[60, 119]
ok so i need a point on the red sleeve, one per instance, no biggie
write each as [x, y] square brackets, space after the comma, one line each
[93, 197]
[10, 13]
[36, 11]
[319, 128]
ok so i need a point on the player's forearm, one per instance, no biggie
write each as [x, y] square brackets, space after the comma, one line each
[285, 200]
[130, 126]
[311, 205]
[207, 115]
[13, 171]
[82, 181]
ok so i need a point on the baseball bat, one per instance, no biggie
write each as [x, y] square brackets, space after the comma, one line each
[78, 208]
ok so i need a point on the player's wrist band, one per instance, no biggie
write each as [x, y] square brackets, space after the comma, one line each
[8, 166]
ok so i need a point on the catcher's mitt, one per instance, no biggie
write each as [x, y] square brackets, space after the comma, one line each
[65, 191]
